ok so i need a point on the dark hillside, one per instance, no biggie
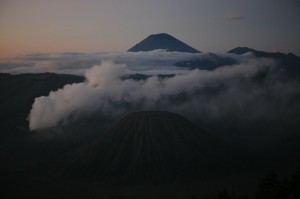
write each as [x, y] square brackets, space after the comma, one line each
[18, 93]
[148, 145]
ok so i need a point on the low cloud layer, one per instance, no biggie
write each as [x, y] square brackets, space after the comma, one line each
[158, 61]
[251, 91]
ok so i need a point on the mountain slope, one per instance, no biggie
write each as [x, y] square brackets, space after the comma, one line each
[162, 41]
[150, 145]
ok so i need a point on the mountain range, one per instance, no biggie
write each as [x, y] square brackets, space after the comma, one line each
[164, 151]
[167, 42]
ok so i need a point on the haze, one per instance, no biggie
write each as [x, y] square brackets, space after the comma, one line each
[40, 26]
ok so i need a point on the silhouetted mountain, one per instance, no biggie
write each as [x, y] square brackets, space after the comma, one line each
[148, 146]
[289, 61]
[162, 41]
[241, 50]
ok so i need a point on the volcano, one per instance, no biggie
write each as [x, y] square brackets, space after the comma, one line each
[150, 145]
[162, 41]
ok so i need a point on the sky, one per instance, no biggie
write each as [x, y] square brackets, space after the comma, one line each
[43, 26]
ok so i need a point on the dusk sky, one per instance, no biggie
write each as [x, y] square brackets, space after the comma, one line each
[42, 26]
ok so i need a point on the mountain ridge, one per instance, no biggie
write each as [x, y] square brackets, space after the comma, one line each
[290, 62]
[258, 53]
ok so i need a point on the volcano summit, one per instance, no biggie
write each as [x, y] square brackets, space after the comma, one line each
[162, 41]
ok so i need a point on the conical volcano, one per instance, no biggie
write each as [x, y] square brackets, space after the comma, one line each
[162, 41]
[150, 145]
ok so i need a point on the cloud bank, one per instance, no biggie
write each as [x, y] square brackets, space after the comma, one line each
[251, 91]
[158, 61]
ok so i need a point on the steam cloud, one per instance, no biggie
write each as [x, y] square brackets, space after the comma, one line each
[250, 91]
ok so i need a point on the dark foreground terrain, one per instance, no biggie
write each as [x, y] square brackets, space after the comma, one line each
[142, 155]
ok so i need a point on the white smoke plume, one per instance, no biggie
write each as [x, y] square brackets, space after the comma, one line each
[201, 94]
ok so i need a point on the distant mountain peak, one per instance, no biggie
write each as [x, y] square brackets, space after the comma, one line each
[241, 50]
[162, 41]
[161, 34]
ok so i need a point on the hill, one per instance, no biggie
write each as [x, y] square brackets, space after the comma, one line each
[150, 145]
